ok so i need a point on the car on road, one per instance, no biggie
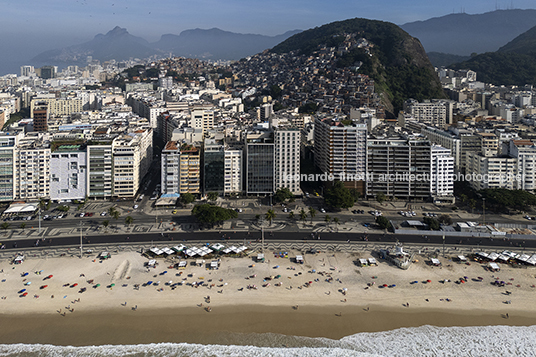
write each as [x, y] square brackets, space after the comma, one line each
[104, 213]
[135, 206]
[322, 210]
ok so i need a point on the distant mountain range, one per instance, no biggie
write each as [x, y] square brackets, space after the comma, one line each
[208, 44]
[464, 34]
[513, 64]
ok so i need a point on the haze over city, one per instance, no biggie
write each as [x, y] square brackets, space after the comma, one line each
[30, 27]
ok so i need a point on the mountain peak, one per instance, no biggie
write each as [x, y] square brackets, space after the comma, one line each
[117, 31]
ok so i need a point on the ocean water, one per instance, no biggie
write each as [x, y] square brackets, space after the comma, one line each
[419, 341]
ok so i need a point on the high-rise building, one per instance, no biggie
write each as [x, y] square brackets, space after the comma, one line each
[441, 175]
[100, 170]
[27, 71]
[32, 169]
[340, 149]
[68, 178]
[287, 159]
[7, 166]
[213, 166]
[40, 117]
[202, 119]
[430, 113]
[259, 175]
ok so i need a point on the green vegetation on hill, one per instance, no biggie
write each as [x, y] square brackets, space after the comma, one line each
[398, 65]
[524, 43]
[502, 68]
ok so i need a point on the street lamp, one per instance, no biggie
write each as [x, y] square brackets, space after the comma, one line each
[81, 223]
[443, 246]
[484, 209]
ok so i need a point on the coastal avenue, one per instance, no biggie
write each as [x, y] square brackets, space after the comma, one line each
[210, 237]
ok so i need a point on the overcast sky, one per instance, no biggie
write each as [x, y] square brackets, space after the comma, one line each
[29, 27]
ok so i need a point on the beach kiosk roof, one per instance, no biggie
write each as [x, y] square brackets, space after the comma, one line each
[482, 255]
[191, 252]
[503, 257]
[179, 248]
[531, 260]
[156, 251]
[242, 248]
[510, 254]
[217, 247]
[523, 258]
[494, 266]
[168, 251]
[493, 256]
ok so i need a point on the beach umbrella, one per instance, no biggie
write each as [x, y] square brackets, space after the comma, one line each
[44, 286]
[112, 285]
[24, 274]
[96, 286]
[385, 285]
[50, 276]
[21, 291]
[25, 294]
[75, 284]
[28, 283]
[428, 281]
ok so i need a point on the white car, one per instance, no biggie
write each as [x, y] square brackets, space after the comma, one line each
[103, 214]
[136, 206]
[322, 210]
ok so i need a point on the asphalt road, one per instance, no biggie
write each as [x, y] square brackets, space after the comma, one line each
[176, 238]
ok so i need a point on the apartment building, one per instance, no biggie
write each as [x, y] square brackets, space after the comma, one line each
[441, 175]
[430, 113]
[100, 170]
[489, 143]
[68, 178]
[201, 119]
[170, 163]
[340, 150]
[233, 171]
[213, 165]
[32, 169]
[259, 172]
[447, 140]
[57, 106]
[489, 172]
[287, 159]
[399, 167]
[189, 169]
[8, 145]
[525, 153]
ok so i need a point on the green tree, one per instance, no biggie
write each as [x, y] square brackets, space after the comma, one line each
[114, 213]
[129, 220]
[105, 224]
[380, 197]
[4, 225]
[187, 198]
[355, 194]
[432, 223]
[383, 222]
[312, 213]
[291, 215]
[445, 219]
[336, 220]
[23, 225]
[270, 215]
[283, 194]
[210, 215]
[472, 204]
[212, 196]
[339, 196]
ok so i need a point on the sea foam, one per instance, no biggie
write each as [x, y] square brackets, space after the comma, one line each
[419, 341]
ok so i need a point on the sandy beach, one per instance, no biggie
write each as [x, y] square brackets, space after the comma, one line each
[327, 296]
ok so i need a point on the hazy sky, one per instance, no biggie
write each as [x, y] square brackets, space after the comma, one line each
[29, 27]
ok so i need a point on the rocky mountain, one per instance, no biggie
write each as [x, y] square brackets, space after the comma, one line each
[120, 45]
[116, 44]
[512, 64]
[396, 61]
[464, 34]
[217, 44]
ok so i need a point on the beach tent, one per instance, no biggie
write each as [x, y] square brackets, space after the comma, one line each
[217, 247]
[372, 261]
[199, 262]
[168, 251]
[19, 259]
[435, 261]
[299, 259]
[493, 256]
[151, 263]
[260, 257]
[363, 262]
[531, 260]
[494, 266]
[157, 252]
[179, 248]
[462, 258]
[104, 255]
[214, 264]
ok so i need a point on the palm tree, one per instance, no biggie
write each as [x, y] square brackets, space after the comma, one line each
[23, 225]
[5, 225]
[270, 215]
[111, 211]
[327, 219]
[291, 215]
[128, 220]
[106, 223]
[472, 204]
[336, 220]
[312, 213]
[303, 215]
